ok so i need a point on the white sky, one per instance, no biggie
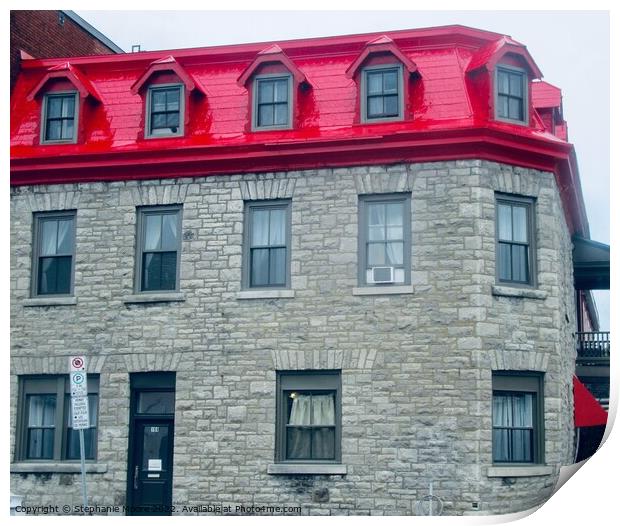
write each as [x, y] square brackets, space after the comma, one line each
[571, 48]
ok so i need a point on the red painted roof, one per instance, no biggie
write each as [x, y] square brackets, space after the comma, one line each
[449, 113]
[545, 95]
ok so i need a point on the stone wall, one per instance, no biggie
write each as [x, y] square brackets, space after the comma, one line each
[416, 368]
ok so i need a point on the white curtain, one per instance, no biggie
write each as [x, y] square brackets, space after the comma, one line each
[260, 228]
[169, 232]
[277, 227]
[513, 411]
[41, 411]
[49, 238]
[64, 236]
[152, 237]
[316, 410]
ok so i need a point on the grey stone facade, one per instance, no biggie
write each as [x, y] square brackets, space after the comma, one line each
[416, 367]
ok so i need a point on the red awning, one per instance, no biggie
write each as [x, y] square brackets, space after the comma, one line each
[588, 412]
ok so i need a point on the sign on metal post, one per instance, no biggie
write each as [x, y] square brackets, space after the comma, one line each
[79, 411]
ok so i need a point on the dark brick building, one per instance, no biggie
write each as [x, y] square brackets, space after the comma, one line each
[48, 34]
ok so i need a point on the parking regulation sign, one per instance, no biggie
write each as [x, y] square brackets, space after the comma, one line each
[79, 412]
[78, 384]
[77, 363]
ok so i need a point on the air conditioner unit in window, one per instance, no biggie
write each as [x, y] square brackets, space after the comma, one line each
[382, 274]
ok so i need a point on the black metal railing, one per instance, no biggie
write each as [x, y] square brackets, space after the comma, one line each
[593, 345]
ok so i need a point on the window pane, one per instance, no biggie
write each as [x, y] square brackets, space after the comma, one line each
[504, 218]
[265, 115]
[154, 442]
[515, 109]
[169, 239]
[54, 105]
[298, 443]
[501, 452]
[502, 81]
[173, 99]
[323, 443]
[158, 121]
[376, 233]
[390, 84]
[156, 402]
[281, 91]
[519, 263]
[158, 98]
[391, 105]
[168, 270]
[502, 106]
[172, 121]
[67, 129]
[376, 214]
[394, 253]
[504, 262]
[516, 85]
[41, 410]
[265, 91]
[159, 271]
[40, 443]
[73, 443]
[375, 106]
[277, 266]
[519, 224]
[375, 83]
[395, 232]
[522, 406]
[260, 228]
[259, 267]
[522, 445]
[54, 275]
[49, 237]
[63, 275]
[53, 130]
[277, 227]
[299, 408]
[68, 106]
[376, 254]
[281, 114]
[394, 214]
[502, 411]
[65, 236]
[152, 231]
[323, 410]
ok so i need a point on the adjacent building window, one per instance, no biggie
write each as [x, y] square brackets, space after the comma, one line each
[382, 93]
[159, 248]
[165, 111]
[515, 254]
[308, 417]
[267, 244]
[272, 102]
[385, 239]
[518, 418]
[54, 253]
[60, 112]
[44, 419]
[511, 94]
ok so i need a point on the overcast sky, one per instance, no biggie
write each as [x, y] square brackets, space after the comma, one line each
[571, 49]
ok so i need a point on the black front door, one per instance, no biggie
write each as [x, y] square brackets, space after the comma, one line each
[151, 442]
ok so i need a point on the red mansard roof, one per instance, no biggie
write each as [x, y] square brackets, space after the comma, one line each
[449, 113]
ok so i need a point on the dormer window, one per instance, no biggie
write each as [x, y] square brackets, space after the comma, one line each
[59, 118]
[272, 108]
[511, 95]
[165, 111]
[382, 93]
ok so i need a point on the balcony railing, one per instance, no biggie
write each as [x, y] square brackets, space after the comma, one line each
[593, 346]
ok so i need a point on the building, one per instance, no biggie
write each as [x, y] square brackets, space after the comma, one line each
[53, 33]
[318, 273]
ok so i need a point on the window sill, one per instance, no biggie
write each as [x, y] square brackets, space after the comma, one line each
[376, 291]
[159, 297]
[306, 469]
[264, 294]
[519, 471]
[50, 302]
[57, 467]
[516, 292]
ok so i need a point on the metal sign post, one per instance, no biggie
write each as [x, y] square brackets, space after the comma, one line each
[79, 412]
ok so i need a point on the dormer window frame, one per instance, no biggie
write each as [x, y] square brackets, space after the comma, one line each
[255, 101]
[525, 88]
[364, 118]
[148, 134]
[44, 117]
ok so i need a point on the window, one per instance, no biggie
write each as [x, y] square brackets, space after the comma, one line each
[53, 253]
[272, 106]
[267, 244]
[382, 93]
[511, 94]
[44, 419]
[518, 418]
[165, 111]
[385, 239]
[60, 112]
[515, 261]
[159, 248]
[308, 416]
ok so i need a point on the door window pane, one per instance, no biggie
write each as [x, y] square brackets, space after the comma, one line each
[155, 446]
[156, 402]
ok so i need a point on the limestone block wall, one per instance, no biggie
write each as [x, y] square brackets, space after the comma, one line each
[416, 368]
